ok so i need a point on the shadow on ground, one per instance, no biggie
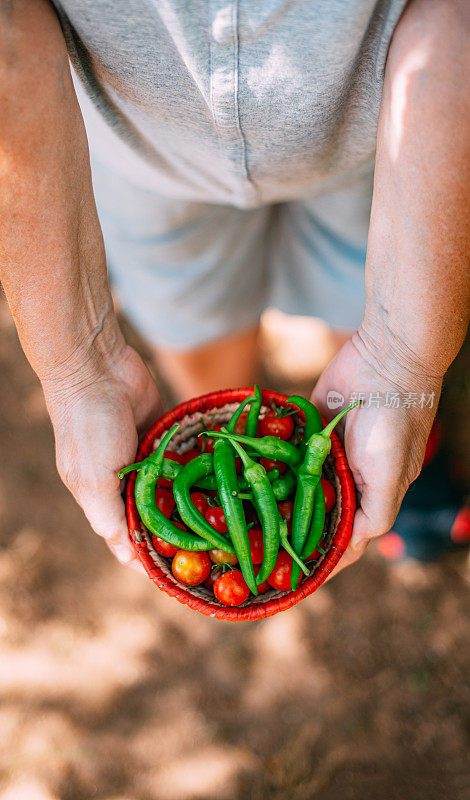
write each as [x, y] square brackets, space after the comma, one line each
[111, 690]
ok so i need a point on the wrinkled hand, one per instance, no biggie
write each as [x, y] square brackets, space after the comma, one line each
[385, 446]
[96, 425]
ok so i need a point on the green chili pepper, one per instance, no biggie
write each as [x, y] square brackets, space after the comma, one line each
[148, 472]
[199, 467]
[251, 425]
[224, 467]
[265, 502]
[227, 486]
[171, 469]
[284, 485]
[318, 521]
[313, 420]
[267, 446]
[308, 476]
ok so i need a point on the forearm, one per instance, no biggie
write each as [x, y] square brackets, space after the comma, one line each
[52, 261]
[418, 263]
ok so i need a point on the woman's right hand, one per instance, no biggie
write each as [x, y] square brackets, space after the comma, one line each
[96, 426]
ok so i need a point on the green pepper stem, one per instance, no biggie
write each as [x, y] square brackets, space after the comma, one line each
[326, 432]
[155, 458]
[237, 414]
[242, 495]
[289, 549]
[135, 466]
[253, 414]
[246, 459]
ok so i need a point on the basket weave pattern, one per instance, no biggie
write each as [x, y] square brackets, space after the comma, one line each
[218, 407]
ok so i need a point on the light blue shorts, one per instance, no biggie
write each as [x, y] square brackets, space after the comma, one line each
[186, 273]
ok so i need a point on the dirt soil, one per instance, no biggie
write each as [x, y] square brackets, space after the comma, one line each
[111, 690]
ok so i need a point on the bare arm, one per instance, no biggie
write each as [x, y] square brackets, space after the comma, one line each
[418, 260]
[53, 269]
[418, 265]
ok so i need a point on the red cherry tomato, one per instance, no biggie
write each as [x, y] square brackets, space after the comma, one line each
[164, 548]
[432, 444]
[263, 587]
[272, 425]
[231, 589]
[165, 501]
[216, 518]
[255, 536]
[269, 464]
[330, 494]
[191, 568]
[222, 557]
[281, 574]
[240, 427]
[238, 465]
[200, 501]
[216, 572]
[286, 510]
[206, 444]
[190, 454]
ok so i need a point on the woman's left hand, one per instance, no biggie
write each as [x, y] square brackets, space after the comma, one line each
[384, 444]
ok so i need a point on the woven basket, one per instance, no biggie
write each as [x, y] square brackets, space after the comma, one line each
[218, 407]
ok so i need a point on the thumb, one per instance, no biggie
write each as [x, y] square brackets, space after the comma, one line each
[377, 513]
[106, 514]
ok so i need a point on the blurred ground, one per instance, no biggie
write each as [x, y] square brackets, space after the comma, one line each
[111, 690]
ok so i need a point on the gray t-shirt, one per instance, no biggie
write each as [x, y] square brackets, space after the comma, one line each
[243, 102]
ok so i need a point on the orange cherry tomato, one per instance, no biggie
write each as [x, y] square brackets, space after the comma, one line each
[241, 425]
[222, 557]
[191, 568]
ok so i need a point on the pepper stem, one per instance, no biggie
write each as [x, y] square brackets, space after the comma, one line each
[246, 459]
[289, 549]
[242, 495]
[237, 414]
[156, 458]
[326, 432]
[135, 466]
[233, 439]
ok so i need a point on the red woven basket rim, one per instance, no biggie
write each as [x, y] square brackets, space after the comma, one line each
[261, 609]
